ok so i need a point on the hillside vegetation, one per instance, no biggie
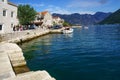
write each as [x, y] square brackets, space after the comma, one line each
[112, 19]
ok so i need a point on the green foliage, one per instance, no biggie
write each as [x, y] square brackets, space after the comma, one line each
[66, 24]
[112, 19]
[26, 14]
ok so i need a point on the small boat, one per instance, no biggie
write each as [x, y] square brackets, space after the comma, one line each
[85, 27]
[67, 30]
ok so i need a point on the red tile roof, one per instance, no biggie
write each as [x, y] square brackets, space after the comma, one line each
[43, 13]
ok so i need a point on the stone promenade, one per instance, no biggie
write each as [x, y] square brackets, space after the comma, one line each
[11, 56]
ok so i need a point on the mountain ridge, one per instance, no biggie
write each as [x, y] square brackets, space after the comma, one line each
[114, 18]
[83, 19]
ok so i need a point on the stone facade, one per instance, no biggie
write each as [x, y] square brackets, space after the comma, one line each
[43, 19]
[57, 20]
[8, 16]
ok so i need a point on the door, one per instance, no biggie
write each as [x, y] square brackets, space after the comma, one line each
[0, 27]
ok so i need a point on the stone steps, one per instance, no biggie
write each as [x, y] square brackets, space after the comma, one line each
[11, 56]
[15, 54]
[27, 73]
[37, 75]
[6, 70]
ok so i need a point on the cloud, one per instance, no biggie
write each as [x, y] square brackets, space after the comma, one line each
[38, 5]
[86, 12]
[86, 3]
[56, 9]
[33, 4]
[103, 1]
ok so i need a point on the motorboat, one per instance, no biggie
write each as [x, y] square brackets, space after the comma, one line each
[67, 30]
[85, 27]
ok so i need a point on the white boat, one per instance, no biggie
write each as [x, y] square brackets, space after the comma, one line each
[67, 30]
[85, 27]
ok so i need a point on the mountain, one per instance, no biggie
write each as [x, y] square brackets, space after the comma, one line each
[83, 19]
[112, 19]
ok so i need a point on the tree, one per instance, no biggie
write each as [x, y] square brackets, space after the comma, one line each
[26, 14]
[66, 24]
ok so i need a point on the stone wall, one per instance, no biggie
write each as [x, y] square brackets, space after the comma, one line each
[22, 36]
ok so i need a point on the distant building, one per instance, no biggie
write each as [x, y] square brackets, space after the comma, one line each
[57, 20]
[8, 16]
[43, 19]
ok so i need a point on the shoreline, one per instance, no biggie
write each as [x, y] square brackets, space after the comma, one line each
[17, 61]
[24, 36]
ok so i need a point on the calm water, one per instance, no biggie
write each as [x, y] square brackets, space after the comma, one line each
[87, 54]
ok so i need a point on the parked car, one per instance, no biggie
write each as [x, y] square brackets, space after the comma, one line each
[32, 26]
[57, 27]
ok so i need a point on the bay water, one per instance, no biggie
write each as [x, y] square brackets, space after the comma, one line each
[91, 53]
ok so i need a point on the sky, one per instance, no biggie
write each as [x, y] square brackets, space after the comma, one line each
[72, 6]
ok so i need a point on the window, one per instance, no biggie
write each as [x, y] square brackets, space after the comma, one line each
[12, 25]
[0, 27]
[12, 13]
[4, 12]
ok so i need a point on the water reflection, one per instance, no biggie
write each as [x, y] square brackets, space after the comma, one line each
[37, 47]
[68, 35]
[86, 54]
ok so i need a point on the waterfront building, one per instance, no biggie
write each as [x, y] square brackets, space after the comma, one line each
[8, 16]
[43, 19]
[57, 20]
